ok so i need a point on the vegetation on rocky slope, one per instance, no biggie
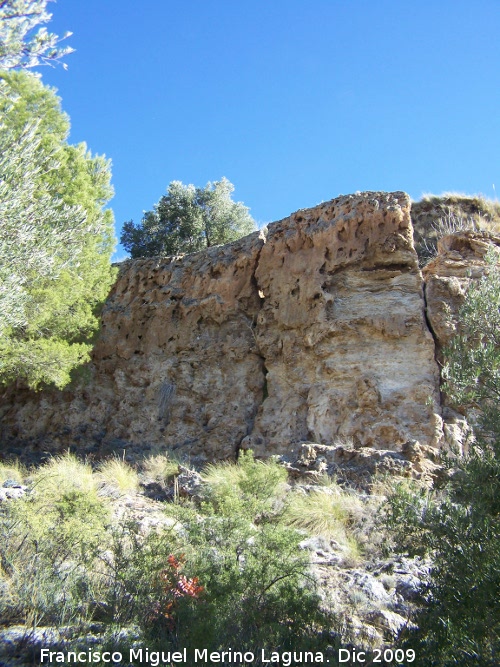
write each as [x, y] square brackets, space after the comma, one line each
[219, 566]
[239, 556]
[435, 216]
[459, 624]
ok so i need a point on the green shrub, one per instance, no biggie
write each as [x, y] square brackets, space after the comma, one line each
[48, 548]
[406, 516]
[257, 587]
[459, 622]
[228, 573]
[249, 487]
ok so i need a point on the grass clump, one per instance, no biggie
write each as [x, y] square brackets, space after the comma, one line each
[476, 205]
[160, 468]
[328, 511]
[322, 513]
[12, 470]
[63, 474]
[116, 475]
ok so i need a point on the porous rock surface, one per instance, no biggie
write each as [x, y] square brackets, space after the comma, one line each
[461, 258]
[311, 331]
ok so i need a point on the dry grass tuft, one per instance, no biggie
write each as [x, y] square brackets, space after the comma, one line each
[226, 473]
[435, 216]
[326, 511]
[117, 475]
[160, 468]
[63, 474]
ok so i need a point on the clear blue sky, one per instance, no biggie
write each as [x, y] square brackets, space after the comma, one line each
[293, 101]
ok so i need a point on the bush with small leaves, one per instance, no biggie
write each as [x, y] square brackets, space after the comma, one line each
[49, 546]
[459, 622]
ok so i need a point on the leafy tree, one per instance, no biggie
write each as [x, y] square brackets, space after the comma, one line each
[473, 368]
[56, 239]
[18, 49]
[460, 622]
[188, 219]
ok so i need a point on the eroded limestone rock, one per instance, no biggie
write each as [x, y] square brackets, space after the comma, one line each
[313, 331]
[461, 258]
[342, 329]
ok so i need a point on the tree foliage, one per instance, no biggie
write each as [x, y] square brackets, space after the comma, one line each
[55, 237]
[460, 621]
[473, 358]
[188, 219]
[19, 47]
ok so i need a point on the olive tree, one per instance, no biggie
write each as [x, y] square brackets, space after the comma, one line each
[19, 47]
[188, 219]
[55, 237]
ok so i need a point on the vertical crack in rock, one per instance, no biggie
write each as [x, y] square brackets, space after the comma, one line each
[437, 352]
[262, 369]
[460, 258]
[427, 319]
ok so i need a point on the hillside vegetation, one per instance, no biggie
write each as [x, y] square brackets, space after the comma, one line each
[435, 216]
[240, 555]
[222, 567]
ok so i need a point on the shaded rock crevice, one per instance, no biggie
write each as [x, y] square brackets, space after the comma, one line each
[460, 259]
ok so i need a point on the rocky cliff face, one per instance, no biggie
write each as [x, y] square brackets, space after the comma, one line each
[314, 330]
[461, 257]
[342, 330]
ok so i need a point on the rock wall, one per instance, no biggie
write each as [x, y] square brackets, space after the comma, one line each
[461, 258]
[311, 331]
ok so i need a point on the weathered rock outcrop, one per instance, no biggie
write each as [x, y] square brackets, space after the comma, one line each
[342, 329]
[461, 258]
[312, 331]
[436, 216]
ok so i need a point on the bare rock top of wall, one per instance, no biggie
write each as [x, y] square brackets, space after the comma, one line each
[313, 330]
